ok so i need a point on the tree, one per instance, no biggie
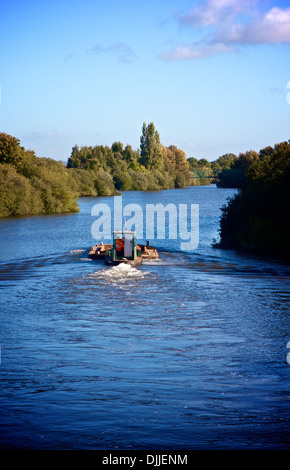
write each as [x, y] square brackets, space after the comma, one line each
[204, 162]
[192, 163]
[246, 159]
[255, 219]
[123, 181]
[266, 152]
[117, 147]
[151, 148]
[12, 153]
[226, 160]
[234, 175]
[181, 174]
[169, 160]
[74, 160]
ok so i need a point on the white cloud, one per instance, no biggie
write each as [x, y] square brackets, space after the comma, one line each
[211, 12]
[272, 28]
[196, 51]
[230, 25]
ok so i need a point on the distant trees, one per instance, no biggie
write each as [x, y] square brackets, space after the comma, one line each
[226, 160]
[192, 163]
[106, 170]
[120, 168]
[233, 173]
[227, 170]
[32, 185]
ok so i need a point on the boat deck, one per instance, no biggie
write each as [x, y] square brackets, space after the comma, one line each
[99, 251]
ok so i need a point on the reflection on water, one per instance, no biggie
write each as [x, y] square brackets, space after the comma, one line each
[185, 352]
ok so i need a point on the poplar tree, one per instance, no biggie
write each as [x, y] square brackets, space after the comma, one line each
[151, 150]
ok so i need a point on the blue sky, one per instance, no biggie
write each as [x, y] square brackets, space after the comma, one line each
[211, 75]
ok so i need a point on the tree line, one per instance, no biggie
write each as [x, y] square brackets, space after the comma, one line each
[227, 171]
[32, 185]
[254, 220]
[104, 170]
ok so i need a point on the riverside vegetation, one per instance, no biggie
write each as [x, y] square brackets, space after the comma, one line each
[254, 220]
[32, 185]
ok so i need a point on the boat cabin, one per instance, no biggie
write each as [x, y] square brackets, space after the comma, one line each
[124, 245]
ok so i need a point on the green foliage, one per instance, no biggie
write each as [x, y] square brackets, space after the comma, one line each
[164, 179]
[31, 185]
[109, 170]
[201, 176]
[54, 184]
[228, 170]
[176, 163]
[256, 219]
[203, 162]
[151, 148]
[123, 181]
[233, 173]
[10, 150]
[204, 172]
[83, 181]
[144, 181]
[17, 195]
[104, 184]
[192, 163]
[226, 160]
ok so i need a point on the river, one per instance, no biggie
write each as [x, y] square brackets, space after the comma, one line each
[187, 352]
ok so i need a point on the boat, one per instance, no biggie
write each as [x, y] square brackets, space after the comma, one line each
[124, 249]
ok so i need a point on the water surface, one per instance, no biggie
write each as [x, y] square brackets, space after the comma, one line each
[187, 352]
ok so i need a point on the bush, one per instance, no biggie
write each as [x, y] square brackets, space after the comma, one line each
[104, 184]
[17, 195]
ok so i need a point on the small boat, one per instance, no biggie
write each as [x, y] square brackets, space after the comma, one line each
[124, 249]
